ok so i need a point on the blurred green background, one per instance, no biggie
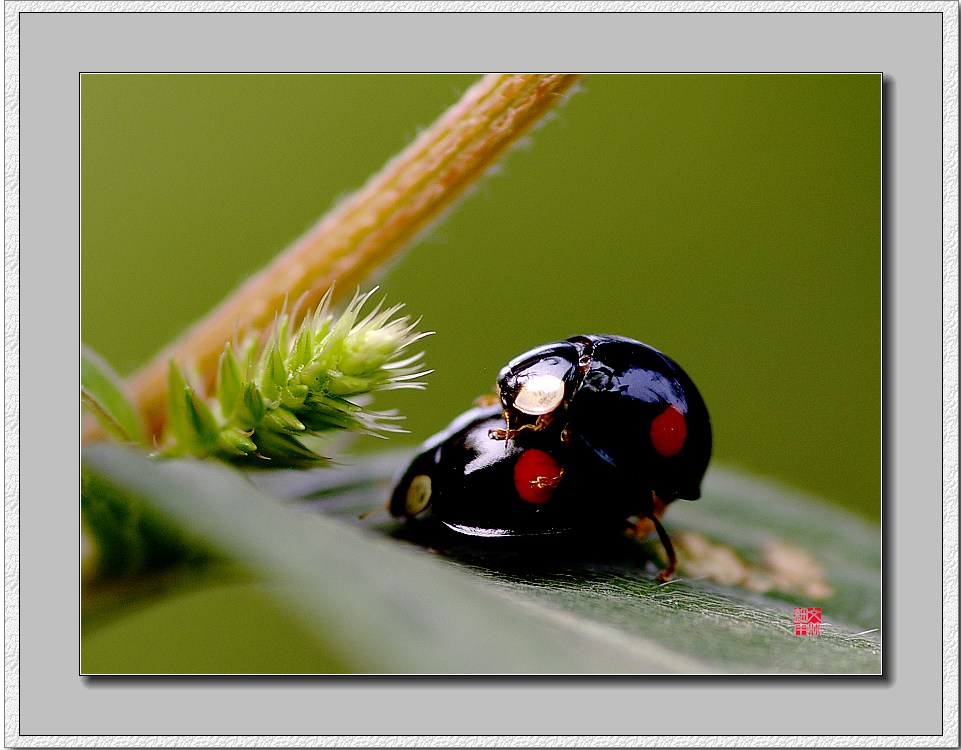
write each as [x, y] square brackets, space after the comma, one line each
[732, 221]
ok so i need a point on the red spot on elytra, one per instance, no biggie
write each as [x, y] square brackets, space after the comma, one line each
[668, 432]
[536, 476]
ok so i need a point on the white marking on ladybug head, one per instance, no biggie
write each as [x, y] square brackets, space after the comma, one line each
[418, 495]
[539, 394]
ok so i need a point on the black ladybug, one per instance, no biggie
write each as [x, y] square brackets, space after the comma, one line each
[593, 434]
[617, 400]
[478, 485]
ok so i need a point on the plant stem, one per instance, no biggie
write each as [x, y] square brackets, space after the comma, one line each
[367, 229]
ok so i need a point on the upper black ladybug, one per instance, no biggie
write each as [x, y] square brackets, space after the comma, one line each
[617, 400]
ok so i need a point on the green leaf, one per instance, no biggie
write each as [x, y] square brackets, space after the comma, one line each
[384, 606]
[730, 608]
[135, 553]
[378, 604]
[102, 392]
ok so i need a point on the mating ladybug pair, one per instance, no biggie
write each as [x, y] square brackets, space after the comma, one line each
[592, 436]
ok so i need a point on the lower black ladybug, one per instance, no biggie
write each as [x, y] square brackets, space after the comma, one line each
[474, 484]
[467, 481]
[594, 434]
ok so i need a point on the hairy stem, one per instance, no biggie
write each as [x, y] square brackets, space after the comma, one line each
[368, 228]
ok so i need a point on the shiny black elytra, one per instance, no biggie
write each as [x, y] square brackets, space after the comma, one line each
[623, 403]
[466, 478]
[591, 434]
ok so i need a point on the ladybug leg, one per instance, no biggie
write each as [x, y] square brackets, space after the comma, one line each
[668, 572]
[511, 432]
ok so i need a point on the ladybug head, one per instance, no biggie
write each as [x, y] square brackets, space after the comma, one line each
[539, 383]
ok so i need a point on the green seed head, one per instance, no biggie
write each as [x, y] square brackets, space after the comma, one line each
[273, 398]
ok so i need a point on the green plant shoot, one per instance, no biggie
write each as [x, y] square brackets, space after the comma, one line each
[276, 395]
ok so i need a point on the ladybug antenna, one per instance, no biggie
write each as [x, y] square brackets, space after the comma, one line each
[665, 575]
[367, 514]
